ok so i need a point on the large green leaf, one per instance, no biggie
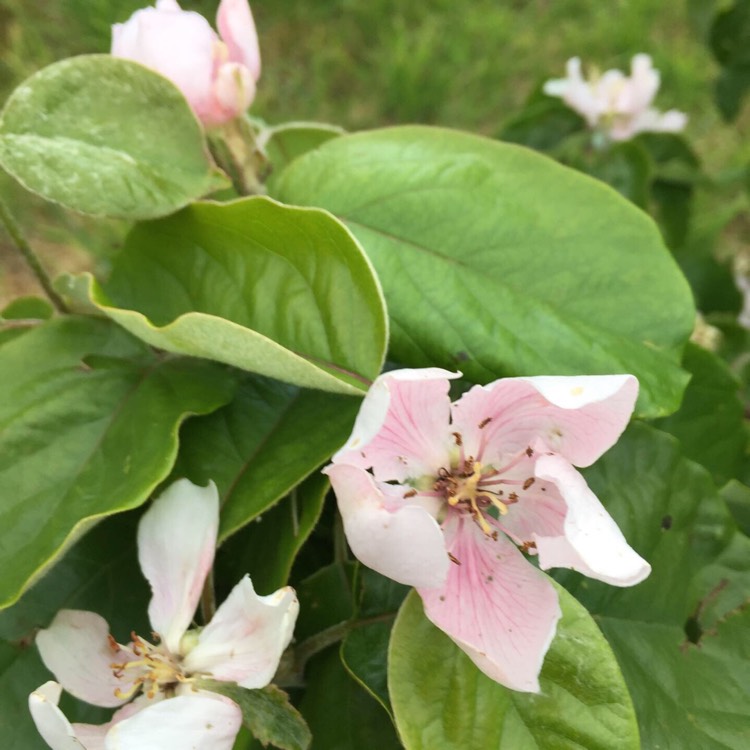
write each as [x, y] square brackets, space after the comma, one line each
[106, 136]
[88, 427]
[263, 444]
[267, 548]
[678, 635]
[497, 261]
[98, 573]
[711, 407]
[443, 702]
[284, 292]
[364, 649]
[341, 715]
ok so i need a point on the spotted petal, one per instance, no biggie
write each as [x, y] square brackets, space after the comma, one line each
[402, 542]
[244, 641]
[204, 721]
[579, 417]
[495, 605]
[176, 545]
[403, 427]
[591, 541]
[77, 650]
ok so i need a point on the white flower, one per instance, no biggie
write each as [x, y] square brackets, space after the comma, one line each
[155, 684]
[614, 103]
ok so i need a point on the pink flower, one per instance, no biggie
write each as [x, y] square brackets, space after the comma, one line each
[216, 75]
[441, 495]
[618, 105]
[156, 685]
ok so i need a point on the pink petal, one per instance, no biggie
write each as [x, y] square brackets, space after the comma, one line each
[404, 542]
[176, 545]
[244, 641]
[50, 721]
[234, 91]
[495, 605]
[204, 721]
[76, 649]
[591, 541]
[403, 428]
[181, 45]
[237, 29]
[579, 417]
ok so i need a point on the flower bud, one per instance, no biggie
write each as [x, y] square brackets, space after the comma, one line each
[216, 74]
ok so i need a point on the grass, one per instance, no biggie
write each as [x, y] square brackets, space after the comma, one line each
[364, 63]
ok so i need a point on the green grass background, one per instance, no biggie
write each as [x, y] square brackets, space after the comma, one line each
[364, 63]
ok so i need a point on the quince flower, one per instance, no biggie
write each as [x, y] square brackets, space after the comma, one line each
[442, 495]
[216, 75]
[618, 105]
[241, 644]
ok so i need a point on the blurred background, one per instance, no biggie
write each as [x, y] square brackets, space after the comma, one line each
[367, 63]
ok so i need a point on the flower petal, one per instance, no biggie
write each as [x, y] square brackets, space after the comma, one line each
[92, 736]
[234, 91]
[402, 430]
[495, 605]
[244, 641]
[591, 542]
[50, 721]
[77, 650]
[176, 546]
[204, 721]
[579, 417]
[237, 29]
[403, 543]
[178, 44]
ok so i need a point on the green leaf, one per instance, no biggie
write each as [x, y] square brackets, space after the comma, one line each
[729, 42]
[364, 650]
[267, 713]
[98, 573]
[498, 261]
[737, 496]
[543, 124]
[267, 548]
[33, 308]
[284, 292]
[106, 136]
[326, 599]
[284, 143]
[711, 407]
[341, 715]
[263, 444]
[441, 700]
[681, 665]
[88, 427]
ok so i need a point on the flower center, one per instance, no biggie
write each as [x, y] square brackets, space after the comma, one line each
[467, 488]
[153, 669]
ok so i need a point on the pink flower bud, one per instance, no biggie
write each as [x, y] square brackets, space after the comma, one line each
[216, 73]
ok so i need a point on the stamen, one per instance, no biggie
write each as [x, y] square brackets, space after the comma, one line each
[528, 483]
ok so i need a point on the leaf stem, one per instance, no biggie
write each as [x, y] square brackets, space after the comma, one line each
[291, 673]
[23, 247]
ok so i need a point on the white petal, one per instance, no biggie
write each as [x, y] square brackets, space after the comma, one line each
[176, 546]
[244, 641]
[403, 543]
[403, 426]
[50, 721]
[592, 543]
[204, 721]
[77, 650]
